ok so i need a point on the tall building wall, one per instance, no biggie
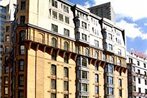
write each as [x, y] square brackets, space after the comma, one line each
[137, 72]
[62, 50]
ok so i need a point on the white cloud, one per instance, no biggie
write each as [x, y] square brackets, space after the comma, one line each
[132, 30]
[129, 8]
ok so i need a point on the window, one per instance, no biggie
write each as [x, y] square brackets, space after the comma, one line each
[23, 5]
[65, 85]
[138, 63]
[134, 88]
[110, 90]
[60, 17]
[110, 80]
[139, 81]
[53, 69]
[109, 36]
[66, 96]
[7, 28]
[53, 95]
[96, 54]
[84, 25]
[6, 69]
[110, 68]
[66, 58]
[96, 78]
[54, 14]
[84, 37]
[145, 73]
[139, 90]
[96, 67]
[120, 92]
[84, 87]
[66, 19]
[144, 65]
[86, 51]
[21, 65]
[96, 43]
[138, 71]
[22, 49]
[6, 90]
[66, 32]
[66, 46]
[111, 59]
[84, 62]
[54, 55]
[65, 72]
[130, 60]
[54, 42]
[22, 35]
[110, 47]
[84, 74]
[119, 61]
[145, 82]
[22, 20]
[54, 3]
[6, 80]
[7, 38]
[20, 94]
[96, 90]
[145, 91]
[54, 28]
[119, 52]
[21, 80]
[120, 82]
[6, 49]
[66, 9]
[53, 84]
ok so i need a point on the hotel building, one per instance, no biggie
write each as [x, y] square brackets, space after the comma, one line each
[137, 75]
[62, 50]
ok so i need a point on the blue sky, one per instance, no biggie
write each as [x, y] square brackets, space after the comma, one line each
[129, 16]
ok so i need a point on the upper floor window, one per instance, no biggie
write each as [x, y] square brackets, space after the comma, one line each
[110, 47]
[23, 5]
[22, 19]
[65, 72]
[22, 49]
[109, 36]
[21, 35]
[110, 90]
[96, 43]
[7, 38]
[53, 84]
[86, 51]
[54, 28]
[96, 54]
[119, 52]
[54, 55]
[21, 65]
[84, 74]
[7, 28]
[54, 3]
[53, 95]
[54, 42]
[84, 25]
[53, 69]
[66, 58]
[96, 78]
[21, 80]
[84, 62]
[66, 19]
[84, 37]
[130, 60]
[144, 65]
[66, 46]
[20, 94]
[54, 14]
[120, 82]
[84, 87]
[110, 80]
[138, 63]
[60, 17]
[66, 9]
[110, 68]
[66, 32]
[66, 85]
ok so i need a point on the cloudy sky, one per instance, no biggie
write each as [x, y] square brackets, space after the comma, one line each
[130, 15]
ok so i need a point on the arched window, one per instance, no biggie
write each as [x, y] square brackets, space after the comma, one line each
[86, 51]
[54, 42]
[66, 46]
[22, 35]
[96, 54]
[84, 62]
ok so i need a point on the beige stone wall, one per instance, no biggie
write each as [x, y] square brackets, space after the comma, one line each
[43, 75]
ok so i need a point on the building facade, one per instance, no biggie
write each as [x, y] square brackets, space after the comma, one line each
[137, 75]
[61, 50]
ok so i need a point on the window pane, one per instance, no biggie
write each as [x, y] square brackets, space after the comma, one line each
[53, 69]
[53, 84]
[65, 72]
[65, 85]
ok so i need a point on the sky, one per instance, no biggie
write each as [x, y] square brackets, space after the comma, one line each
[131, 15]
